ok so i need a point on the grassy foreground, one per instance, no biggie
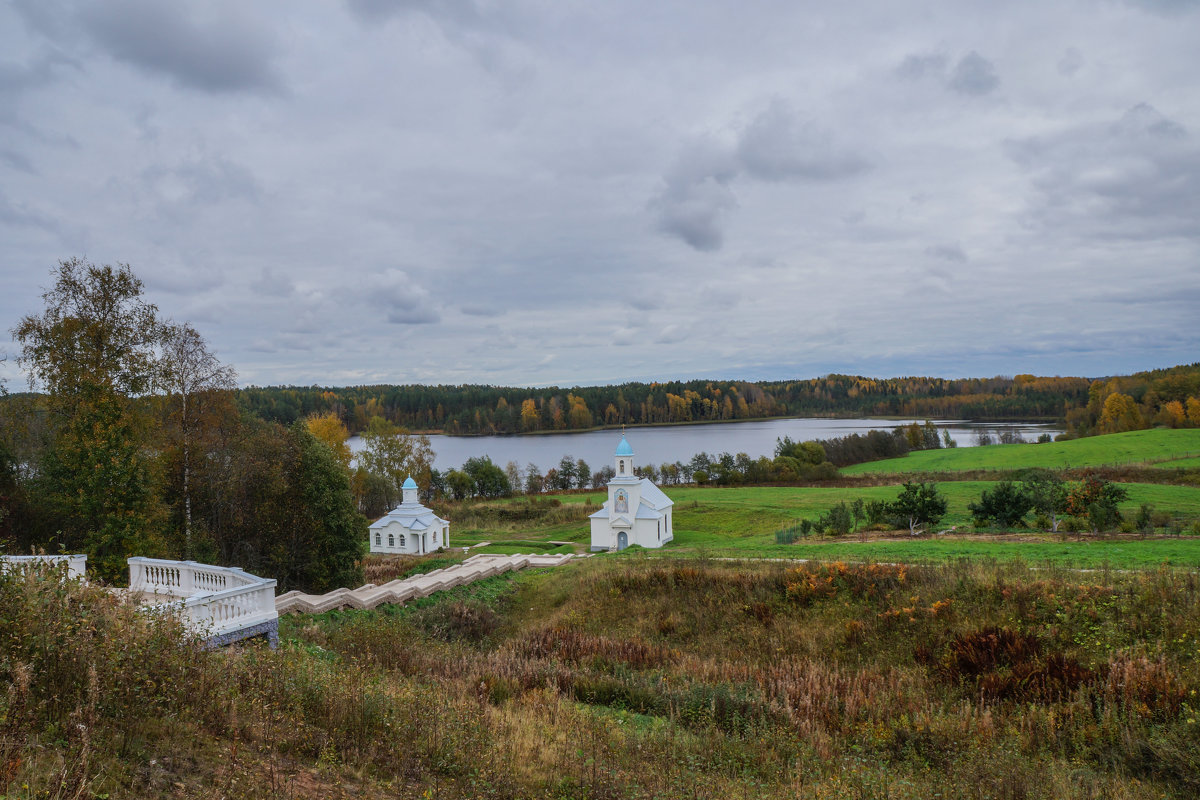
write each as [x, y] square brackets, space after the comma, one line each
[628, 678]
[1149, 447]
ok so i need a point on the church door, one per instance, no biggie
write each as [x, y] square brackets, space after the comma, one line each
[622, 540]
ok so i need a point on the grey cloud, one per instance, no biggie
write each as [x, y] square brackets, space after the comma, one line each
[185, 279]
[696, 196]
[376, 11]
[482, 311]
[644, 303]
[17, 79]
[17, 161]
[20, 215]
[973, 75]
[404, 301]
[1168, 8]
[625, 337]
[694, 212]
[1071, 62]
[947, 252]
[15, 76]
[776, 146]
[221, 51]
[210, 179]
[920, 65]
[779, 146]
[272, 285]
[1136, 178]
[671, 334]
[1144, 120]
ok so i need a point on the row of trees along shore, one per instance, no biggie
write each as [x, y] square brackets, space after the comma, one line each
[793, 462]
[1162, 397]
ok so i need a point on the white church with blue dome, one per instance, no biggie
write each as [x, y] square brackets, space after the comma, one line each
[409, 527]
[636, 512]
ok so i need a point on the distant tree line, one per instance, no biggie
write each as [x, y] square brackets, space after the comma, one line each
[1161, 398]
[476, 409]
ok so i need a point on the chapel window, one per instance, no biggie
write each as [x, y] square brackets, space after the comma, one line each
[622, 467]
[391, 540]
[377, 538]
[402, 540]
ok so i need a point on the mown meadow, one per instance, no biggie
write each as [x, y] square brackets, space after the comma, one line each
[1159, 446]
[629, 677]
[742, 521]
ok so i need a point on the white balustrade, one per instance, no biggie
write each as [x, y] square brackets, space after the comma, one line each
[212, 600]
[76, 564]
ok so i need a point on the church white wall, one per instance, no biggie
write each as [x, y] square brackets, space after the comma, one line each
[412, 543]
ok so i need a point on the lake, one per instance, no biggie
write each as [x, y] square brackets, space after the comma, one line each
[670, 443]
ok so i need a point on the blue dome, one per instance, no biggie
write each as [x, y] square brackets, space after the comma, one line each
[409, 483]
[623, 449]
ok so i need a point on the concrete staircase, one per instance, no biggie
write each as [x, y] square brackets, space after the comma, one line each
[400, 591]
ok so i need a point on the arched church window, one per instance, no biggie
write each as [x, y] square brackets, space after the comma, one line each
[402, 540]
[391, 540]
[377, 538]
[622, 467]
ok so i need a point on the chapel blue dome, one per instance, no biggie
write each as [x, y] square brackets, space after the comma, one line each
[409, 483]
[623, 449]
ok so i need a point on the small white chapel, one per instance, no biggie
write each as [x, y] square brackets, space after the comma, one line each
[409, 527]
[637, 511]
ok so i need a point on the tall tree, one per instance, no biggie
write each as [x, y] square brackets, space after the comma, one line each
[195, 382]
[1047, 492]
[395, 454]
[918, 504]
[330, 429]
[94, 349]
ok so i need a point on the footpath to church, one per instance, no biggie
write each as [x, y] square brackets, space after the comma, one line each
[402, 590]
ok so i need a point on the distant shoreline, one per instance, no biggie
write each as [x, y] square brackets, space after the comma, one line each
[596, 428]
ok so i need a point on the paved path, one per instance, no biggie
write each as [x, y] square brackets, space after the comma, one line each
[402, 590]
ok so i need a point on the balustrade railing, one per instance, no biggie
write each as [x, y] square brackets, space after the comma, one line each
[213, 601]
[76, 564]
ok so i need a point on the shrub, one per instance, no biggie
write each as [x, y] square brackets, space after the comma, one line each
[1005, 505]
[837, 521]
[1144, 521]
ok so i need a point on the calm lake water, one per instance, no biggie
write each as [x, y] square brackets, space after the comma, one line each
[670, 443]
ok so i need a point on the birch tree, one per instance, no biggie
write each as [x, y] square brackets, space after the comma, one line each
[193, 380]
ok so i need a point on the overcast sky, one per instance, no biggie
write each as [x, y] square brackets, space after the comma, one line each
[516, 192]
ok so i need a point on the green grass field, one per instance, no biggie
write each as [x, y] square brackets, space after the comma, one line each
[742, 521]
[1181, 462]
[1152, 447]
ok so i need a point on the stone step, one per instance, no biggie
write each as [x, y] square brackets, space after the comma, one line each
[369, 595]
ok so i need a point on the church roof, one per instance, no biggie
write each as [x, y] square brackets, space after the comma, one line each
[409, 483]
[413, 516]
[654, 496]
[651, 504]
[623, 449]
[645, 511]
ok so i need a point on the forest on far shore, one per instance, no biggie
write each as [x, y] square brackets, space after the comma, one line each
[1166, 397]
